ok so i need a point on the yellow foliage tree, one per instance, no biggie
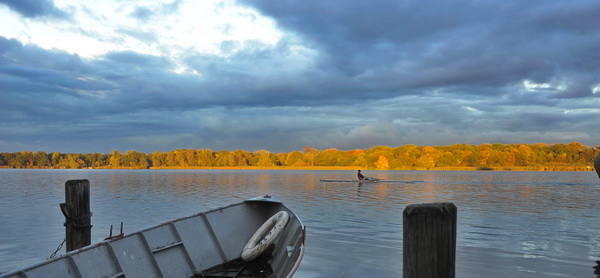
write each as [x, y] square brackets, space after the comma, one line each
[382, 163]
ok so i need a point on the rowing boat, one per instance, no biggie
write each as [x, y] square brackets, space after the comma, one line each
[366, 181]
[259, 237]
[350, 180]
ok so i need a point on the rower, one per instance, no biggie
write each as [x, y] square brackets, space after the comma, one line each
[360, 176]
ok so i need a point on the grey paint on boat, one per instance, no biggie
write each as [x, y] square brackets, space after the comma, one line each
[181, 248]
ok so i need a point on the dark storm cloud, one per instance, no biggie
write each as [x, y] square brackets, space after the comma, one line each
[36, 84]
[58, 100]
[35, 8]
[125, 82]
[429, 44]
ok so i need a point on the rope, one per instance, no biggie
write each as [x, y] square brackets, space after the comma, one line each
[83, 217]
[83, 226]
[74, 221]
[58, 248]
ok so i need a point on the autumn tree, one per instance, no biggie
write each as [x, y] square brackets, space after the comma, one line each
[427, 159]
[264, 158]
[309, 155]
[295, 159]
[133, 159]
[206, 157]
[382, 163]
[158, 159]
[116, 159]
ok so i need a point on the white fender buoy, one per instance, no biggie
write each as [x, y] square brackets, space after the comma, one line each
[257, 243]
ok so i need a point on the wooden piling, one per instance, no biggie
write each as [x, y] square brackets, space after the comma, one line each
[429, 240]
[76, 210]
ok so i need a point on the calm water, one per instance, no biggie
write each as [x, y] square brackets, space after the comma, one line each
[510, 224]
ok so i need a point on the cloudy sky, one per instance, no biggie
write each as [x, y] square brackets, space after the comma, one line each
[96, 76]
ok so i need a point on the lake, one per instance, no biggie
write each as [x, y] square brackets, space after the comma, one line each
[510, 224]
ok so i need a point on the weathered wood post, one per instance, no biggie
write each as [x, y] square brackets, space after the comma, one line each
[76, 210]
[429, 240]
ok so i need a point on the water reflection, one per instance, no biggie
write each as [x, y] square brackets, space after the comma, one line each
[517, 224]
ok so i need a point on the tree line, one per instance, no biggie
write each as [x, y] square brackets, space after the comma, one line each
[539, 156]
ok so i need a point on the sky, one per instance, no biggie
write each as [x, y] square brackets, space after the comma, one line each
[96, 76]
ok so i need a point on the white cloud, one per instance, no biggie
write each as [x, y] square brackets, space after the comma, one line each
[103, 26]
[553, 86]
[472, 109]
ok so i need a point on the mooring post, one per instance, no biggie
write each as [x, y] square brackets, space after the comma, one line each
[429, 240]
[76, 210]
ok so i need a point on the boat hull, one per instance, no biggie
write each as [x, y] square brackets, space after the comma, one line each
[184, 247]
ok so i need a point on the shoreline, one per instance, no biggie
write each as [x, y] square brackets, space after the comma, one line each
[344, 168]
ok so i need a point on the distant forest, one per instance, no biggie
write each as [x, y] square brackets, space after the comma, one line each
[540, 156]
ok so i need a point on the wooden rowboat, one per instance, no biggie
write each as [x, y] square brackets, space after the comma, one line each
[207, 244]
